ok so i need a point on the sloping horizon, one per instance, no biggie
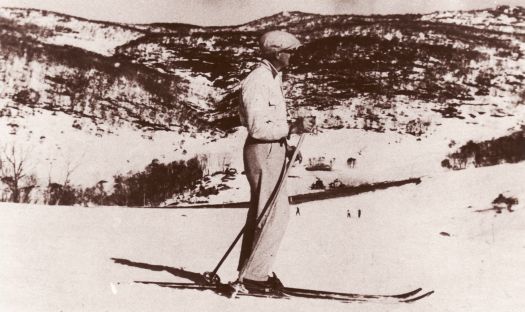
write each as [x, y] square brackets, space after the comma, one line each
[237, 12]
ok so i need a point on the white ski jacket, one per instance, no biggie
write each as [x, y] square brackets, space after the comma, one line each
[263, 108]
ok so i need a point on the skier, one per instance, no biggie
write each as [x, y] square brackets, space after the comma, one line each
[348, 213]
[297, 212]
[262, 111]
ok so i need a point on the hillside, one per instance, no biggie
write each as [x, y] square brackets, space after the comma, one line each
[118, 96]
[502, 19]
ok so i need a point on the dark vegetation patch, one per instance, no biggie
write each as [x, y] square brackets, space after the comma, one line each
[343, 57]
[98, 87]
[149, 187]
[506, 149]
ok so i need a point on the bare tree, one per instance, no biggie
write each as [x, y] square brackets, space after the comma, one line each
[13, 173]
[225, 160]
[57, 189]
[25, 191]
[70, 169]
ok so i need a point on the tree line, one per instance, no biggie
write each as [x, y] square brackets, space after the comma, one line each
[155, 184]
[149, 187]
[506, 149]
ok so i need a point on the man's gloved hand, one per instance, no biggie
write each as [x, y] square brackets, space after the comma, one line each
[290, 149]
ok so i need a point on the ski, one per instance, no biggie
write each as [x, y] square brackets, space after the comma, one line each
[319, 294]
[290, 292]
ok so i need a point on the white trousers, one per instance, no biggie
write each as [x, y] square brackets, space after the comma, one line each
[263, 164]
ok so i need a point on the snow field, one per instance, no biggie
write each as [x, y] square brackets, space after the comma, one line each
[59, 258]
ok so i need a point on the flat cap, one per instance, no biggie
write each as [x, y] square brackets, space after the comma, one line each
[277, 41]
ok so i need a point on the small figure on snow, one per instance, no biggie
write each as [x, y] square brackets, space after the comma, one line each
[297, 211]
[348, 215]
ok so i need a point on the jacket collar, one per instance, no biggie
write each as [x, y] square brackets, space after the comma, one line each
[270, 66]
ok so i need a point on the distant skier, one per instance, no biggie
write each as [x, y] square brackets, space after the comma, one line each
[359, 213]
[262, 111]
[297, 211]
[348, 215]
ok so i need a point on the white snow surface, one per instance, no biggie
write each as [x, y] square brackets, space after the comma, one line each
[59, 258]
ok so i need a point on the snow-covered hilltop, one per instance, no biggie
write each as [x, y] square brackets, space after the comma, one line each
[60, 29]
[504, 18]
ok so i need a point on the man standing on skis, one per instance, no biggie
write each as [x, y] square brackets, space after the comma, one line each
[262, 111]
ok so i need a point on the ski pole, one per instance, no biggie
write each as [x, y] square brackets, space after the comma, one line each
[212, 277]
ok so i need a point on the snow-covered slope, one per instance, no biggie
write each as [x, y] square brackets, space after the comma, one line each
[427, 235]
[388, 156]
[93, 152]
[504, 18]
[97, 155]
[62, 29]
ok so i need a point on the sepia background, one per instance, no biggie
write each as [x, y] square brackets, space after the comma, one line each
[120, 151]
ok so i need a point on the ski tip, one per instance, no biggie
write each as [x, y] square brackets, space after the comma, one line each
[418, 297]
[408, 294]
